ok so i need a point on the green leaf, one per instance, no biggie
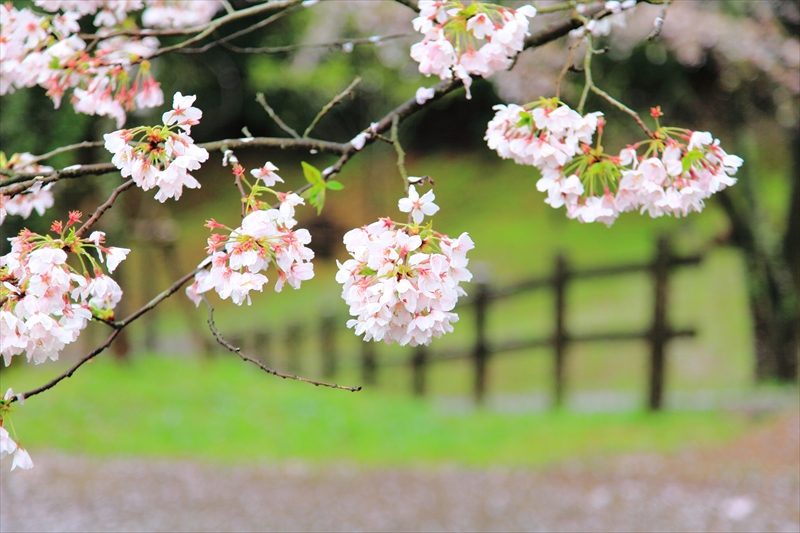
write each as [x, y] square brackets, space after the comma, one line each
[312, 174]
[526, 120]
[366, 271]
[334, 185]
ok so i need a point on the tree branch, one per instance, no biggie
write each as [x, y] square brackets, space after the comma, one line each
[375, 39]
[20, 182]
[256, 26]
[238, 351]
[63, 149]
[274, 116]
[272, 5]
[338, 98]
[103, 208]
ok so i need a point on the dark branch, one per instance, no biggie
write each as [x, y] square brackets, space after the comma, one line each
[68, 374]
[238, 351]
[103, 208]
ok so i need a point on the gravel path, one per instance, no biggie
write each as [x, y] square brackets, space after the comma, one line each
[750, 485]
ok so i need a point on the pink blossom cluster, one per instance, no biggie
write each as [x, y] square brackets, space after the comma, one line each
[161, 156]
[46, 303]
[158, 13]
[46, 50]
[37, 197]
[475, 40]
[676, 182]
[402, 281]
[547, 137]
[266, 236]
[680, 169]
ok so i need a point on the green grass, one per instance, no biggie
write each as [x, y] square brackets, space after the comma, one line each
[223, 411]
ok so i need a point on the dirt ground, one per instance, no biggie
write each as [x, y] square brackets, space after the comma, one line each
[750, 485]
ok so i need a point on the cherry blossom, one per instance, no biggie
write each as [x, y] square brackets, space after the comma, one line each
[37, 198]
[418, 206]
[402, 281]
[162, 157]
[682, 170]
[479, 39]
[266, 236]
[46, 303]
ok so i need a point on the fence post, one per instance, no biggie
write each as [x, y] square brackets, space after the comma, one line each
[418, 364]
[480, 352]
[327, 337]
[659, 334]
[560, 335]
[293, 338]
[368, 363]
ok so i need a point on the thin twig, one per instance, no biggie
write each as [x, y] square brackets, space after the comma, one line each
[587, 72]
[215, 24]
[68, 374]
[401, 154]
[658, 24]
[103, 208]
[555, 8]
[274, 116]
[207, 27]
[48, 155]
[338, 98]
[567, 65]
[329, 44]
[163, 295]
[256, 26]
[238, 351]
[626, 109]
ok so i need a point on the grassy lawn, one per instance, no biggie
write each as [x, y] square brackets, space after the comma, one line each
[223, 410]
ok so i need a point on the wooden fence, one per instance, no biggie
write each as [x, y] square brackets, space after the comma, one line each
[484, 296]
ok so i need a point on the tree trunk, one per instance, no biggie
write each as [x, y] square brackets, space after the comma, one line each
[772, 275]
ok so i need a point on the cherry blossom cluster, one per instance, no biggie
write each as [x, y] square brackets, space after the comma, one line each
[45, 301]
[675, 175]
[468, 40]
[402, 281]
[47, 50]
[678, 170]
[161, 156]
[546, 134]
[8, 446]
[37, 197]
[266, 236]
